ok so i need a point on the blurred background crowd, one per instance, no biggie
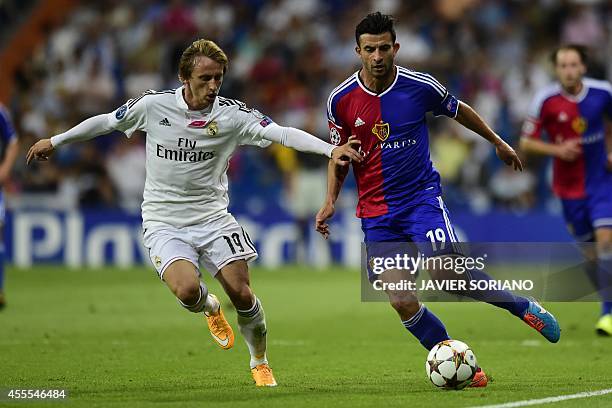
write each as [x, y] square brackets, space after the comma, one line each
[285, 58]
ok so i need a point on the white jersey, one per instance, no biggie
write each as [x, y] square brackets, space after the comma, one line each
[188, 153]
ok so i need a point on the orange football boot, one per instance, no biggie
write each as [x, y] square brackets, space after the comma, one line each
[220, 329]
[262, 374]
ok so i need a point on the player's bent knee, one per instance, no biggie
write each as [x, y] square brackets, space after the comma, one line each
[187, 292]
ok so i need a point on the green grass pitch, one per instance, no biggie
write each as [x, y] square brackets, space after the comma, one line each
[117, 338]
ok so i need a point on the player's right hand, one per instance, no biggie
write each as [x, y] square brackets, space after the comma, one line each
[41, 150]
[569, 150]
[343, 155]
[325, 213]
[508, 155]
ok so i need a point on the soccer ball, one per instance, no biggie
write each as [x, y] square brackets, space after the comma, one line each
[451, 364]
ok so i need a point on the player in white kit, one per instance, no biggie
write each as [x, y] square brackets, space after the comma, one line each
[191, 135]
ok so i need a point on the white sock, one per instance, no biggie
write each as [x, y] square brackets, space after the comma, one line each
[252, 324]
[211, 305]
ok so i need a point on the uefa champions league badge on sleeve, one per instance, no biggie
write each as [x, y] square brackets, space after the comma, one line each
[334, 136]
[121, 112]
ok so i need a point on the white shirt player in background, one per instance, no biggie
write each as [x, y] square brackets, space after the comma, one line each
[192, 133]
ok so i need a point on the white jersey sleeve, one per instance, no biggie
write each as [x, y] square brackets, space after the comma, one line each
[130, 116]
[299, 140]
[127, 118]
[251, 126]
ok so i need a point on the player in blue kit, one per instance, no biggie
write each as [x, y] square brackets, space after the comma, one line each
[384, 106]
[571, 112]
[9, 149]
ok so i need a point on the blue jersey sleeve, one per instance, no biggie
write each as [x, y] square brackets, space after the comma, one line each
[437, 99]
[447, 107]
[609, 104]
[7, 131]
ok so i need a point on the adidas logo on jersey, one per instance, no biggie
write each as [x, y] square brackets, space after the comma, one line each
[165, 122]
[359, 122]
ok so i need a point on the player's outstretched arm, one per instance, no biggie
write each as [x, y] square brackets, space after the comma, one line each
[336, 175]
[568, 150]
[469, 118]
[305, 142]
[88, 129]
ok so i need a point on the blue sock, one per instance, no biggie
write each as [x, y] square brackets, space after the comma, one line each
[500, 298]
[590, 269]
[604, 275]
[426, 327]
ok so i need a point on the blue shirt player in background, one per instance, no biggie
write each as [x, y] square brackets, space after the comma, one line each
[572, 113]
[9, 149]
[384, 106]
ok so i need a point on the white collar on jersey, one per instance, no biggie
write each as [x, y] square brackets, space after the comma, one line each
[180, 101]
[370, 92]
[576, 98]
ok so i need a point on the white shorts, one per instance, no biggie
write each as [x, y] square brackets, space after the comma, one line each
[212, 245]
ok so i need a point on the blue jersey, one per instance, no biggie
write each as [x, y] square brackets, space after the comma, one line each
[7, 135]
[7, 131]
[575, 117]
[397, 171]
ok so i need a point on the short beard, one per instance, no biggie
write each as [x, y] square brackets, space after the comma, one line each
[381, 75]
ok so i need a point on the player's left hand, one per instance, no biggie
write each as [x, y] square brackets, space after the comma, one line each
[610, 161]
[507, 154]
[325, 213]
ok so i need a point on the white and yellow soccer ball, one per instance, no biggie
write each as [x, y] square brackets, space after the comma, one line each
[451, 364]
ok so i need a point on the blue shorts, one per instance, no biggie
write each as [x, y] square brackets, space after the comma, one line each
[2, 210]
[584, 215]
[426, 224]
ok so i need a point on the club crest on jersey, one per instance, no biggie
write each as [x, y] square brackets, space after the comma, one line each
[381, 130]
[157, 261]
[213, 129]
[579, 125]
